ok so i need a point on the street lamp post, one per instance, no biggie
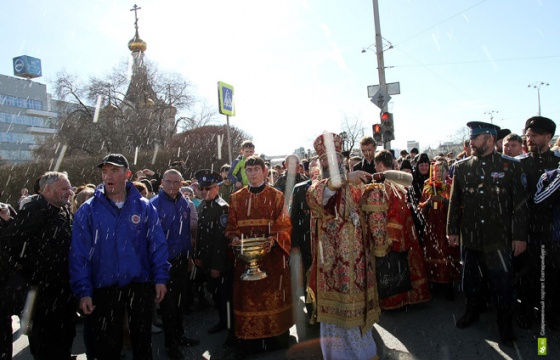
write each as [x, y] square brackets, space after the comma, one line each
[537, 86]
[491, 113]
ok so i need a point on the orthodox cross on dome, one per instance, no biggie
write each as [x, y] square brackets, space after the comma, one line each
[136, 45]
[135, 8]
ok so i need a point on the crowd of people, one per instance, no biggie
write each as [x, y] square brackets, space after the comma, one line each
[375, 233]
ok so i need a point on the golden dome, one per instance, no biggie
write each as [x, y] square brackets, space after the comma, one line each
[136, 44]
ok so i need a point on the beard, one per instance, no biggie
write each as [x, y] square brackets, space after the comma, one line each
[325, 172]
[479, 151]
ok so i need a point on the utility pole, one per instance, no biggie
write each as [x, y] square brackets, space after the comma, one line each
[380, 61]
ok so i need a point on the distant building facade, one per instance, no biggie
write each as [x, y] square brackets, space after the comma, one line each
[26, 118]
[411, 144]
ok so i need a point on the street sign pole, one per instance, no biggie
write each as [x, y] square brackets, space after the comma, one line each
[228, 140]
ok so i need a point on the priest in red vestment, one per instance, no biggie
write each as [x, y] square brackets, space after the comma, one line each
[342, 282]
[262, 309]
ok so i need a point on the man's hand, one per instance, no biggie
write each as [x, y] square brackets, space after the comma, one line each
[436, 198]
[355, 177]
[268, 246]
[161, 290]
[518, 247]
[5, 214]
[214, 273]
[86, 305]
[453, 240]
[148, 172]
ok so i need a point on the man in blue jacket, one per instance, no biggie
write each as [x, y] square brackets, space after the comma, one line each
[174, 213]
[118, 261]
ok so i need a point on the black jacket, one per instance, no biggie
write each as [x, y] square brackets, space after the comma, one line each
[534, 166]
[211, 245]
[37, 243]
[300, 216]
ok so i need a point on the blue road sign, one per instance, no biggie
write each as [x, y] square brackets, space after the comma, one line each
[225, 98]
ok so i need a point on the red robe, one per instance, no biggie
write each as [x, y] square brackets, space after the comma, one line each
[262, 308]
[394, 231]
[342, 281]
[441, 260]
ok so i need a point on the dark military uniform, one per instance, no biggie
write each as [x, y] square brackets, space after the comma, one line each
[212, 250]
[211, 246]
[540, 227]
[300, 215]
[366, 166]
[488, 207]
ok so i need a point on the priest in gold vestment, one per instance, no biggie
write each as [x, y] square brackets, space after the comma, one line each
[342, 283]
[262, 309]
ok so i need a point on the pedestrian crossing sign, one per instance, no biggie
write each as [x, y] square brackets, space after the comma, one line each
[225, 98]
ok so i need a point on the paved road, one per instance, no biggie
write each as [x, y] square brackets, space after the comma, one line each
[420, 332]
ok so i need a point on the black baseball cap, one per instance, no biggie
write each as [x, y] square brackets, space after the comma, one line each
[114, 159]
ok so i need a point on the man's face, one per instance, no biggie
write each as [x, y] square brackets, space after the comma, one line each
[481, 146]
[58, 193]
[379, 166]
[224, 175]
[210, 192]
[368, 151]
[255, 175]
[248, 151]
[537, 143]
[171, 184]
[114, 178]
[512, 148]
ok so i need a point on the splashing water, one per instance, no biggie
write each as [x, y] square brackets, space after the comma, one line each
[60, 157]
[97, 108]
[332, 158]
[155, 154]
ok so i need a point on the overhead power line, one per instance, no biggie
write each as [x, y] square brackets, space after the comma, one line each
[479, 61]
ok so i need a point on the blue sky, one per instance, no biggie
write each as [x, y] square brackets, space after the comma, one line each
[297, 65]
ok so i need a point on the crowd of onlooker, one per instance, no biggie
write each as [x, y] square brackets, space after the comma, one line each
[137, 237]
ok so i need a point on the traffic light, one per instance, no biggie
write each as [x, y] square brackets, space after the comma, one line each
[387, 128]
[377, 133]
